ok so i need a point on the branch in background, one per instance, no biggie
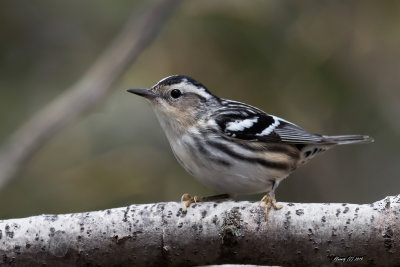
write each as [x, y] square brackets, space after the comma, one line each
[89, 90]
[209, 233]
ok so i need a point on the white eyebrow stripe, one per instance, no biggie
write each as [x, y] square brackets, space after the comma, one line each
[202, 92]
[188, 87]
[240, 125]
[185, 85]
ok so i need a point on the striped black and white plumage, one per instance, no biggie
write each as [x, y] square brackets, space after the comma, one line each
[230, 146]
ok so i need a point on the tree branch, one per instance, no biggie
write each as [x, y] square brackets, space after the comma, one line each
[209, 233]
[89, 90]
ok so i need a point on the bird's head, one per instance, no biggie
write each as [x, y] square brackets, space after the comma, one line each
[178, 100]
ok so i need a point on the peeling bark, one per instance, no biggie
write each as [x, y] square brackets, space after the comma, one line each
[209, 233]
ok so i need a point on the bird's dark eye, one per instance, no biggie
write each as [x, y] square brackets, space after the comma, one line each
[176, 93]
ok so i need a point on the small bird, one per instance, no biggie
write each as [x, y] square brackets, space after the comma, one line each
[232, 147]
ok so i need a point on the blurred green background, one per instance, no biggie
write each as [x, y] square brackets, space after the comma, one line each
[332, 67]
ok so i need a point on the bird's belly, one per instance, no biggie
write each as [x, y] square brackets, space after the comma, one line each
[227, 175]
[236, 179]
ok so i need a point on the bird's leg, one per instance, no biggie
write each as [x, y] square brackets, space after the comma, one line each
[189, 199]
[270, 202]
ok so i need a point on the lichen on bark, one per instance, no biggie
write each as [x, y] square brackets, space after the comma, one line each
[209, 233]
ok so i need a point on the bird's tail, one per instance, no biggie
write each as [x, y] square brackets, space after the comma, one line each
[348, 139]
[310, 151]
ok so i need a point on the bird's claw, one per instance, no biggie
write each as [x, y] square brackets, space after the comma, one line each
[189, 200]
[270, 202]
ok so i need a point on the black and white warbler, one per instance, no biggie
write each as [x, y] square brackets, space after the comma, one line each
[229, 146]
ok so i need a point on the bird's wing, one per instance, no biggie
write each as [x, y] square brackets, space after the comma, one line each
[245, 122]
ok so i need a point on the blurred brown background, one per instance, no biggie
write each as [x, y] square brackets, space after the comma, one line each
[332, 67]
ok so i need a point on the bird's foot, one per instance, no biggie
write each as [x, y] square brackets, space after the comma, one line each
[270, 202]
[189, 199]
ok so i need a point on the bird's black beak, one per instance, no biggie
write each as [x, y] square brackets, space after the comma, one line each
[142, 92]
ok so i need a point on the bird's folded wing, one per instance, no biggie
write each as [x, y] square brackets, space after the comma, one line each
[256, 125]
